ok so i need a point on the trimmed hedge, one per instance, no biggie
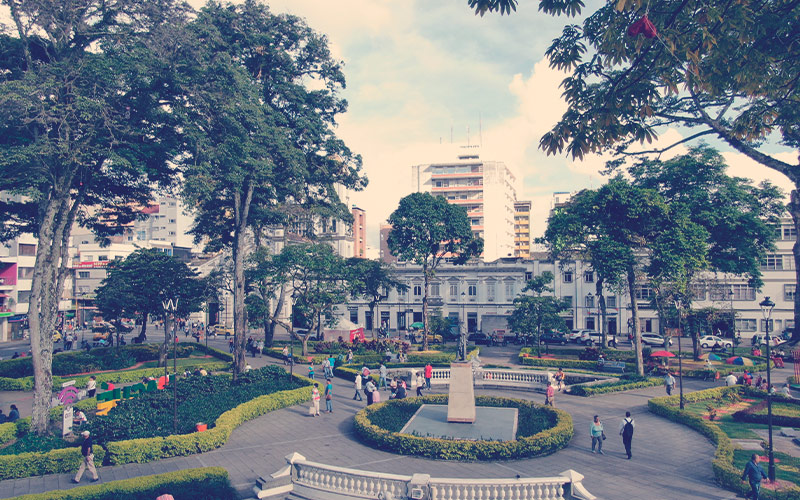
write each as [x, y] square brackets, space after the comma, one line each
[725, 473]
[39, 464]
[208, 483]
[615, 386]
[567, 363]
[149, 449]
[542, 443]
[752, 415]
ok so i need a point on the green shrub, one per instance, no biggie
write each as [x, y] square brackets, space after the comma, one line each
[208, 483]
[543, 442]
[626, 383]
[39, 464]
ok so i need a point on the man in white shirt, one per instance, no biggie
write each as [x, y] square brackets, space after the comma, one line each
[730, 379]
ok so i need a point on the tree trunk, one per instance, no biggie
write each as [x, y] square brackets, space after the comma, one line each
[426, 279]
[46, 288]
[794, 210]
[372, 315]
[162, 349]
[637, 333]
[142, 335]
[269, 323]
[242, 209]
[601, 304]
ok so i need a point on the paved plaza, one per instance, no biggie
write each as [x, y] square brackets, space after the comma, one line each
[669, 461]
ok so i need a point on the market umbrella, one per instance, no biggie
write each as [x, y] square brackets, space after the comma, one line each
[418, 324]
[661, 354]
[711, 356]
[738, 360]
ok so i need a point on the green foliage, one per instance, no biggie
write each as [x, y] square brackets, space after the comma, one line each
[200, 399]
[208, 483]
[373, 280]
[533, 315]
[39, 463]
[785, 413]
[542, 431]
[32, 443]
[626, 383]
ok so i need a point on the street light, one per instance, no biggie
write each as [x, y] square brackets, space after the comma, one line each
[462, 337]
[766, 309]
[733, 323]
[678, 307]
[295, 296]
[170, 306]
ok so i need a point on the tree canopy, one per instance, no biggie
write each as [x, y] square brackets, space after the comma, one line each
[373, 280]
[536, 313]
[426, 229]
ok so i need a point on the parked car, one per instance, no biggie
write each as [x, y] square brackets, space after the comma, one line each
[415, 337]
[554, 338]
[596, 338]
[222, 330]
[760, 340]
[654, 339]
[575, 335]
[480, 338]
[714, 341]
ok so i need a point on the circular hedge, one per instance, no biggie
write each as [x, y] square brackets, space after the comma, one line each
[541, 430]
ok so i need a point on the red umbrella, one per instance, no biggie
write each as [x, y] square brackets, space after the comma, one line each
[661, 354]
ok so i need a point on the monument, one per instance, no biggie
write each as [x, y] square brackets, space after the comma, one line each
[461, 401]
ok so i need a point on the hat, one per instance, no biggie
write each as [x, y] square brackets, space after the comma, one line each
[85, 433]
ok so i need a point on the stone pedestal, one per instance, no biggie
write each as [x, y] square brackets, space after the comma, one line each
[461, 403]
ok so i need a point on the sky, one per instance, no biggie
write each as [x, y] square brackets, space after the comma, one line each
[420, 72]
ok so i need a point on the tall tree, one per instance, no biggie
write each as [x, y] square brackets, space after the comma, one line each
[260, 108]
[426, 229]
[141, 283]
[718, 68]
[373, 280]
[85, 100]
[537, 312]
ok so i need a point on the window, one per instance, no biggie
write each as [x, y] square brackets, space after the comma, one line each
[83, 274]
[719, 292]
[788, 293]
[27, 249]
[172, 221]
[611, 301]
[588, 277]
[744, 292]
[589, 302]
[490, 290]
[354, 315]
[745, 325]
[402, 292]
[454, 290]
[130, 238]
[435, 290]
[789, 323]
[510, 291]
[102, 257]
[590, 323]
[698, 291]
[788, 233]
[23, 296]
[567, 277]
[528, 276]
[472, 290]
[567, 300]
[643, 292]
[25, 273]
[764, 325]
[417, 290]
[141, 235]
[772, 262]
[172, 233]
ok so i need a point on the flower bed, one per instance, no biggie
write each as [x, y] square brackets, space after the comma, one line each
[542, 430]
[725, 473]
[208, 483]
[757, 413]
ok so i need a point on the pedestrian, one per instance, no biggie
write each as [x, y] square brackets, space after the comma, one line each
[550, 395]
[786, 391]
[285, 354]
[3, 417]
[13, 415]
[315, 399]
[260, 347]
[730, 379]
[626, 431]
[230, 345]
[357, 386]
[382, 379]
[596, 431]
[91, 387]
[559, 377]
[349, 356]
[754, 474]
[428, 375]
[370, 390]
[392, 388]
[329, 395]
[669, 383]
[400, 392]
[88, 459]
[311, 370]
[420, 384]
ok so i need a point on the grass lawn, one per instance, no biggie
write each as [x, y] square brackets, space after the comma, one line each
[782, 409]
[786, 466]
[181, 362]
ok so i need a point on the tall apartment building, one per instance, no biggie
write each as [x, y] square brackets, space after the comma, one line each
[359, 232]
[487, 189]
[385, 254]
[522, 229]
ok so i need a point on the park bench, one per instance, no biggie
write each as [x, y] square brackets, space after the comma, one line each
[613, 366]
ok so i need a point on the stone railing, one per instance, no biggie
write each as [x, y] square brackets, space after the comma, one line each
[531, 380]
[311, 480]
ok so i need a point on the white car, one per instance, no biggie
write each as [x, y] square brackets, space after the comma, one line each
[576, 335]
[760, 340]
[590, 338]
[654, 339]
[714, 341]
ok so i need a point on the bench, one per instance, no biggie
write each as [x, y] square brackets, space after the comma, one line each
[613, 366]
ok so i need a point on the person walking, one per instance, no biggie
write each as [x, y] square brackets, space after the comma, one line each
[550, 395]
[559, 378]
[91, 387]
[370, 390]
[260, 348]
[357, 386]
[754, 474]
[428, 375]
[626, 431]
[311, 370]
[596, 431]
[420, 384]
[285, 354]
[669, 383]
[328, 396]
[382, 379]
[88, 459]
[315, 399]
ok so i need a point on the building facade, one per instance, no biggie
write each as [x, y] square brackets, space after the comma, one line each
[359, 232]
[522, 229]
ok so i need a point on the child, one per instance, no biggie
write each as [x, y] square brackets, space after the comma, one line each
[311, 370]
[315, 399]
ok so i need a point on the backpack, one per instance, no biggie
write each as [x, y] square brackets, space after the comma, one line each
[627, 431]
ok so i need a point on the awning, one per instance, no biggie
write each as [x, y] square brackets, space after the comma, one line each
[4, 295]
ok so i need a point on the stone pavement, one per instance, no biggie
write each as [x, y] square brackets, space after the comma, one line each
[670, 461]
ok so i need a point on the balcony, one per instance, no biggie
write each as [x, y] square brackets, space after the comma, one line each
[449, 189]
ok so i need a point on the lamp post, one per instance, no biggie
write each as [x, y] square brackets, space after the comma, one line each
[170, 306]
[462, 331]
[766, 309]
[295, 295]
[733, 323]
[678, 308]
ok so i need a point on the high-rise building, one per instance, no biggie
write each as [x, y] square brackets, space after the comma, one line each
[487, 189]
[385, 254]
[522, 229]
[359, 232]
